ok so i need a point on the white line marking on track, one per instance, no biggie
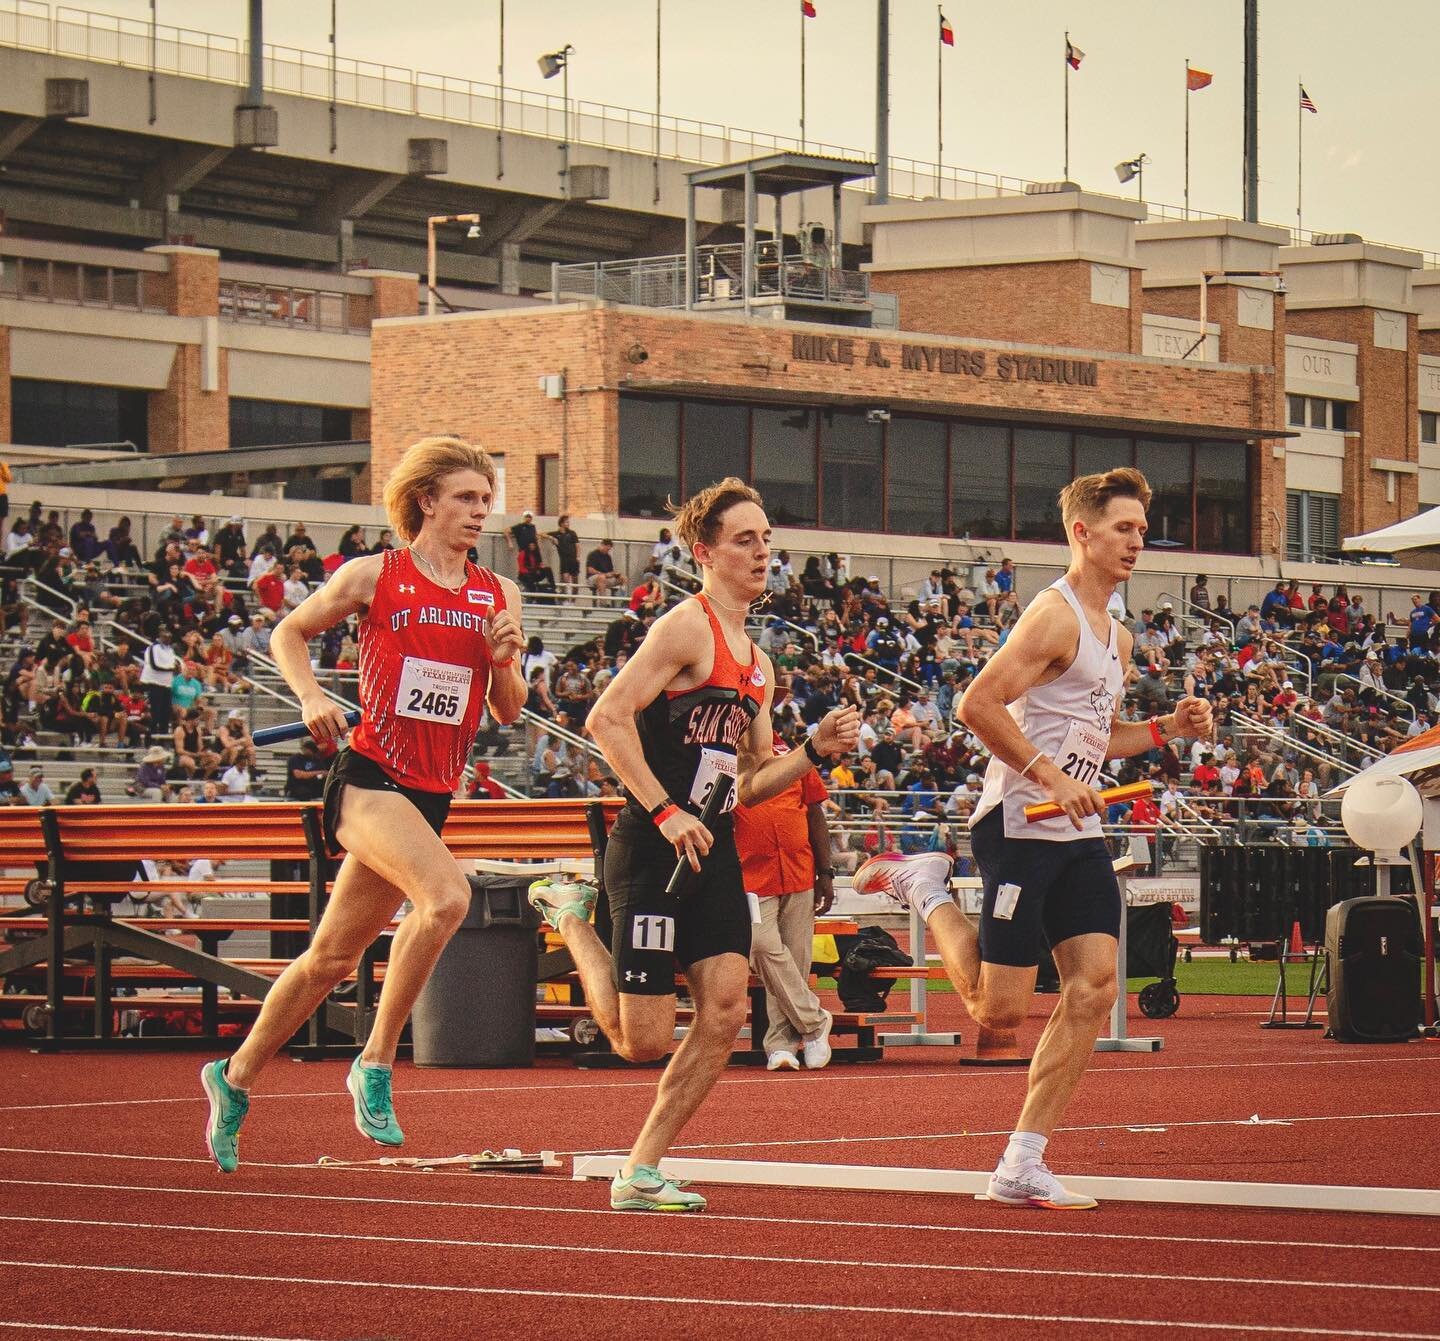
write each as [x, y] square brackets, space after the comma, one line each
[868, 1264]
[958, 1135]
[711, 1216]
[817, 1078]
[33, 1328]
[829, 1307]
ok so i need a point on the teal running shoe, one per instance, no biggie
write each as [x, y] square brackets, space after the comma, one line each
[228, 1107]
[647, 1189]
[369, 1086]
[552, 899]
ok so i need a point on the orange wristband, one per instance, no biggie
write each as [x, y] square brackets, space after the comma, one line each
[1155, 733]
[664, 813]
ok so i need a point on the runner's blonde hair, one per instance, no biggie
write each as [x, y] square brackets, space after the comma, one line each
[1087, 496]
[698, 518]
[420, 471]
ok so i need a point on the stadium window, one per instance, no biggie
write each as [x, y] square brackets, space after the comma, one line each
[649, 454]
[980, 481]
[67, 414]
[1297, 411]
[1169, 468]
[1429, 426]
[1042, 468]
[1340, 416]
[1319, 412]
[783, 450]
[1222, 497]
[274, 423]
[1312, 525]
[549, 486]
[1095, 453]
[716, 443]
[915, 476]
[851, 486]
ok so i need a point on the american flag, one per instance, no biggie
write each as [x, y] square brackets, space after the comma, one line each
[1305, 102]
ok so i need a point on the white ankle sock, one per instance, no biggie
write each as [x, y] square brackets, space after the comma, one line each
[225, 1071]
[936, 899]
[1025, 1148]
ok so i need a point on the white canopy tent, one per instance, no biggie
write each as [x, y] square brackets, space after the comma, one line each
[1413, 533]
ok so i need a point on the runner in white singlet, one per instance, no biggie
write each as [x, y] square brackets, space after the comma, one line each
[1046, 706]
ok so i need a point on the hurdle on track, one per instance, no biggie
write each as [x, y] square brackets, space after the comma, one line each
[1179, 1191]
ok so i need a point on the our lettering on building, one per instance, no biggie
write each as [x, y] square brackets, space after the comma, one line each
[943, 360]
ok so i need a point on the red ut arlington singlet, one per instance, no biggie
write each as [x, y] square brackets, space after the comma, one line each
[690, 736]
[424, 672]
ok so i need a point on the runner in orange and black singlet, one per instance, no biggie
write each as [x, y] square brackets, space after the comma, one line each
[690, 738]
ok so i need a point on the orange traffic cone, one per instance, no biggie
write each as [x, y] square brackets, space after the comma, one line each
[1297, 942]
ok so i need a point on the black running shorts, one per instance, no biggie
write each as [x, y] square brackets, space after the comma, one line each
[352, 769]
[1065, 889]
[653, 932]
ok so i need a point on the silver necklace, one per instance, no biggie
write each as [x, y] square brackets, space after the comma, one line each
[435, 577]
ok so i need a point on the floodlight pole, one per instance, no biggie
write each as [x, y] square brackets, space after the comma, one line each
[430, 225]
[882, 102]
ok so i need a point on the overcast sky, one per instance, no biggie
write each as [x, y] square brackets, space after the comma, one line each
[1369, 160]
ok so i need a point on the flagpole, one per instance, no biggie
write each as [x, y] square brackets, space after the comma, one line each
[1067, 107]
[939, 96]
[1299, 160]
[656, 198]
[802, 77]
[1187, 137]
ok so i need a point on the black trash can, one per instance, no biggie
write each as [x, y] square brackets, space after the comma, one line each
[478, 1009]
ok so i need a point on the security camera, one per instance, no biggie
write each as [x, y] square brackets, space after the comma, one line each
[637, 353]
[1280, 287]
[877, 416]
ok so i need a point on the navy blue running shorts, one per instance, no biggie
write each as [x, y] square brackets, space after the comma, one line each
[1065, 889]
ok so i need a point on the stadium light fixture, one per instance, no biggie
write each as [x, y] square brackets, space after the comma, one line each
[1132, 168]
[433, 222]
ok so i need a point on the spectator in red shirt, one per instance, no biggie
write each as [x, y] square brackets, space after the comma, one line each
[270, 590]
[482, 787]
[1206, 772]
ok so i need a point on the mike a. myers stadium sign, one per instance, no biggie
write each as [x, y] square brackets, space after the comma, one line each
[947, 360]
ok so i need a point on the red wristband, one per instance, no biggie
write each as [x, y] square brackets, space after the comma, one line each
[1155, 733]
[503, 665]
[664, 813]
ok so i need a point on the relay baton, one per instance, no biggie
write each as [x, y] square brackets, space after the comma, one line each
[1131, 791]
[713, 808]
[276, 735]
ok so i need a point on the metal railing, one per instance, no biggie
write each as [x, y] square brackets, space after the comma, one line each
[1258, 726]
[280, 305]
[74, 284]
[1401, 704]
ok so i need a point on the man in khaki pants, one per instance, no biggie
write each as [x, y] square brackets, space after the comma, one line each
[784, 848]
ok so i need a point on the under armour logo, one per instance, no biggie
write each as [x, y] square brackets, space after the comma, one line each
[404, 589]
[635, 977]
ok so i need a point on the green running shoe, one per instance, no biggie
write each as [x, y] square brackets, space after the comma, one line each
[228, 1107]
[552, 899]
[369, 1086]
[647, 1189]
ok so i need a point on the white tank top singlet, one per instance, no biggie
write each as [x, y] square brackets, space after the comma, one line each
[1068, 720]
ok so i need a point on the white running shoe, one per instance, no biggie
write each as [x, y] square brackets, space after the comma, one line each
[914, 880]
[781, 1060]
[816, 1051]
[1034, 1185]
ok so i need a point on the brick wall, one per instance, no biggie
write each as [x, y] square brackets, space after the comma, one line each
[1043, 300]
[476, 376]
[1385, 421]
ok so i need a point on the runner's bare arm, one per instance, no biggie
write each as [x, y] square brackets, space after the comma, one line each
[760, 772]
[667, 652]
[506, 638]
[1190, 718]
[1039, 648]
[350, 589]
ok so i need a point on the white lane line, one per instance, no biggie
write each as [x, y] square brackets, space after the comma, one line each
[958, 1135]
[844, 1077]
[829, 1307]
[36, 1328]
[867, 1264]
[711, 1216]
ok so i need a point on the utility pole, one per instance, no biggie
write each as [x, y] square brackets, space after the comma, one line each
[882, 103]
[1252, 111]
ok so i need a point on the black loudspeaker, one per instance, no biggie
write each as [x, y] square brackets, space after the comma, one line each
[1267, 910]
[1373, 949]
[1222, 877]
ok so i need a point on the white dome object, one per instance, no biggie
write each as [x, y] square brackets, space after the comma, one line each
[1381, 814]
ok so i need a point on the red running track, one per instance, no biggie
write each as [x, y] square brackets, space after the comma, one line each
[119, 1225]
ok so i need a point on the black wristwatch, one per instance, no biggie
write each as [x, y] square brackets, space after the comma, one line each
[829, 874]
[811, 753]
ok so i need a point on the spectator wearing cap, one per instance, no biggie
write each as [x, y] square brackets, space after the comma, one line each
[523, 534]
[233, 738]
[305, 772]
[228, 541]
[256, 637]
[883, 645]
[235, 781]
[35, 790]
[150, 783]
[562, 783]
[1287, 698]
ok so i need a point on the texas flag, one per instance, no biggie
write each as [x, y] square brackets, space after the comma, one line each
[947, 33]
[807, 9]
[1195, 79]
[1073, 55]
